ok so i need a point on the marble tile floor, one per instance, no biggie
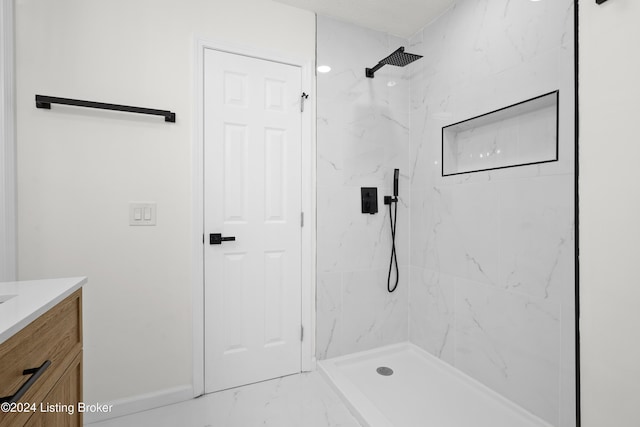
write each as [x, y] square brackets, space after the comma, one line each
[293, 401]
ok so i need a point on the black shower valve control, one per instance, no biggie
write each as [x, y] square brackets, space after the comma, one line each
[369, 200]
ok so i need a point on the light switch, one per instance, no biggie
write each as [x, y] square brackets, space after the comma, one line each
[142, 213]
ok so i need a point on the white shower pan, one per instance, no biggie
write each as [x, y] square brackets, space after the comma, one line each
[423, 391]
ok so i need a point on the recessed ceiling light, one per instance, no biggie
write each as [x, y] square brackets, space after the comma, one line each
[391, 83]
[324, 69]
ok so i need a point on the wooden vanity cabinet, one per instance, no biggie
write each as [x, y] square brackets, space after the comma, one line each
[55, 336]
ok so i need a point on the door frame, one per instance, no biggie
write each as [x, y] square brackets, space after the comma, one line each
[308, 178]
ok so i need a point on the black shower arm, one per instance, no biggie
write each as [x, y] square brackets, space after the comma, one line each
[370, 71]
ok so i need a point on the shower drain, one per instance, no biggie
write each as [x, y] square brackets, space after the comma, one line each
[383, 370]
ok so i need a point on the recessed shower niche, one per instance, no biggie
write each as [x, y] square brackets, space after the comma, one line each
[521, 134]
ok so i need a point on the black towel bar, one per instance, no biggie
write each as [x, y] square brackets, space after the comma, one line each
[43, 101]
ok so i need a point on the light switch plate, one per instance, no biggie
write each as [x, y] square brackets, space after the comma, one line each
[142, 213]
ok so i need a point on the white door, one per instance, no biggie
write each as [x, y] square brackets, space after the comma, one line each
[252, 181]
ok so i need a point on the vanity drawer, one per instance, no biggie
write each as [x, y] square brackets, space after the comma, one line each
[55, 336]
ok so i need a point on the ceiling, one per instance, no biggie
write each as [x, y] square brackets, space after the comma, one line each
[399, 17]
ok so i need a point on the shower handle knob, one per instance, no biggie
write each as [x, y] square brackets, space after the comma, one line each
[217, 239]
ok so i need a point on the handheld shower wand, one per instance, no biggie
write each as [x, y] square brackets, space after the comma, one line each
[393, 218]
[396, 176]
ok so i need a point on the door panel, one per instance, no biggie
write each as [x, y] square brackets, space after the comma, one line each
[252, 173]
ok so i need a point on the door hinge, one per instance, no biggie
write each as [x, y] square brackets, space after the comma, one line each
[301, 219]
[301, 332]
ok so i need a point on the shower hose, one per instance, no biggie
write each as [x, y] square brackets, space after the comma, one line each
[393, 219]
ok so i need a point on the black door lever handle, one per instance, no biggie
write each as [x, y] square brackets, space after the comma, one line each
[216, 239]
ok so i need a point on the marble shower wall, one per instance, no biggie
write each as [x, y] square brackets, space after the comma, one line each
[492, 253]
[362, 135]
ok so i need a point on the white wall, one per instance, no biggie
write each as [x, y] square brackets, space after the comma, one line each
[78, 168]
[609, 207]
[7, 145]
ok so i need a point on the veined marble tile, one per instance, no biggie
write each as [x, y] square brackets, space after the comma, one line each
[484, 37]
[511, 343]
[436, 241]
[363, 135]
[426, 161]
[293, 401]
[366, 119]
[373, 317]
[330, 163]
[476, 213]
[536, 236]
[349, 240]
[367, 238]
[402, 217]
[332, 227]
[431, 312]
[328, 315]
[419, 228]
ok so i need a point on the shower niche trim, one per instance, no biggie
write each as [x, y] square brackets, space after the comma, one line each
[521, 134]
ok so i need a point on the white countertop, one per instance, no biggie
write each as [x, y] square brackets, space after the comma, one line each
[32, 299]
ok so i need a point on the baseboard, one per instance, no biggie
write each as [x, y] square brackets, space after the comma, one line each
[139, 403]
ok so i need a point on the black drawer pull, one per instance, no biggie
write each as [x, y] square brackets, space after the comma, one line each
[35, 374]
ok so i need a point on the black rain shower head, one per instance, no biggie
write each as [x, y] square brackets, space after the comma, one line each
[399, 58]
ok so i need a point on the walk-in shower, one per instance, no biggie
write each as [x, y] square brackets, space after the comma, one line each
[480, 326]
